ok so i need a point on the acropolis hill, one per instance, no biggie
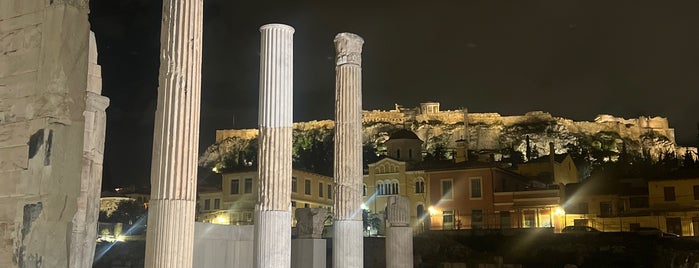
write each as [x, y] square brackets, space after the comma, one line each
[492, 132]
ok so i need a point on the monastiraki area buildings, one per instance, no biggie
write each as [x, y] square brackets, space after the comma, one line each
[482, 171]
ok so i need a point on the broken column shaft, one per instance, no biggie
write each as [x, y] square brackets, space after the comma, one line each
[170, 236]
[347, 227]
[399, 236]
[272, 243]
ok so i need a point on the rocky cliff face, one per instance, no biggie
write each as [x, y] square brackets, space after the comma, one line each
[604, 139]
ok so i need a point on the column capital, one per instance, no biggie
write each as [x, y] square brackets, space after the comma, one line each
[348, 47]
[278, 26]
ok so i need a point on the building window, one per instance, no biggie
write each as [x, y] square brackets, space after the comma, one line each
[217, 203]
[529, 219]
[420, 211]
[410, 154]
[476, 218]
[307, 187]
[448, 219]
[235, 186]
[447, 189]
[320, 189]
[696, 192]
[669, 193]
[605, 209]
[293, 204]
[419, 186]
[330, 191]
[306, 205]
[294, 185]
[207, 204]
[248, 185]
[398, 153]
[476, 189]
[364, 190]
[394, 187]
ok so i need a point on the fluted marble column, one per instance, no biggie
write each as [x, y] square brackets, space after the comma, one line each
[273, 210]
[170, 236]
[347, 226]
[399, 235]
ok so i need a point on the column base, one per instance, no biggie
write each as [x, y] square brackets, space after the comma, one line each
[348, 244]
[272, 245]
[399, 247]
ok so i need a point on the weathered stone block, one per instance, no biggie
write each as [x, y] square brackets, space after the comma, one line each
[10, 180]
[12, 8]
[14, 158]
[14, 134]
[17, 86]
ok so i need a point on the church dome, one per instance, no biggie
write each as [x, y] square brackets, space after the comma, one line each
[403, 134]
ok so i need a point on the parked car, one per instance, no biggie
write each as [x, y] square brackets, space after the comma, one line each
[579, 229]
[652, 231]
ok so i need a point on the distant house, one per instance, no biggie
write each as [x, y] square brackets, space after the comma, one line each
[671, 205]
[554, 168]
[234, 203]
[677, 201]
[447, 195]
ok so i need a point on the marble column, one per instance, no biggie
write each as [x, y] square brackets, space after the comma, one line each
[399, 235]
[272, 244]
[347, 226]
[170, 236]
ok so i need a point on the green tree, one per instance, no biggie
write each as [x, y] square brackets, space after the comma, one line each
[127, 212]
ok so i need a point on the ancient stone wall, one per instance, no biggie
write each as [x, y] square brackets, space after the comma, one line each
[52, 125]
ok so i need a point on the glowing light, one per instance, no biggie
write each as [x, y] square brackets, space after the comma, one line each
[220, 219]
[364, 207]
[432, 210]
[120, 238]
[559, 211]
[215, 169]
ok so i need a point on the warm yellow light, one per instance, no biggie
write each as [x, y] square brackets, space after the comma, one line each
[432, 210]
[120, 238]
[220, 219]
[559, 211]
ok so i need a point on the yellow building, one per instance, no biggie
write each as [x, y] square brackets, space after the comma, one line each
[390, 177]
[671, 205]
[677, 200]
[551, 169]
[235, 202]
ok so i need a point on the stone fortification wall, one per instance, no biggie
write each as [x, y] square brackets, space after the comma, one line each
[52, 124]
[247, 134]
[493, 132]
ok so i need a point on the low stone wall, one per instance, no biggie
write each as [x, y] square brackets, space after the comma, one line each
[223, 245]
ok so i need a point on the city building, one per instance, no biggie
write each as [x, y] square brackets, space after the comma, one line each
[234, 202]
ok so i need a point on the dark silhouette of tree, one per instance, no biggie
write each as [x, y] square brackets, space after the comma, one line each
[369, 154]
[313, 150]
[127, 212]
[440, 152]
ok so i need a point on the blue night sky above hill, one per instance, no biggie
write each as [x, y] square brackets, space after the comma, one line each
[574, 59]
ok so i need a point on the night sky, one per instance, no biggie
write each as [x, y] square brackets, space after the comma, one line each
[574, 59]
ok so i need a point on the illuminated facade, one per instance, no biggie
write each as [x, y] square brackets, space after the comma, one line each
[390, 177]
[671, 205]
[235, 203]
[678, 202]
[554, 168]
[460, 195]
[490, 198]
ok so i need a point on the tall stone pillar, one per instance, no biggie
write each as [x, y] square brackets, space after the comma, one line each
[347, 226]
[399, 236]
[273, 210]
[170, 236]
